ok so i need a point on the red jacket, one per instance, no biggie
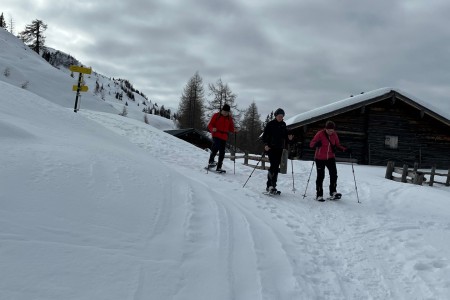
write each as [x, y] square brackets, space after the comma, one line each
[223, 125]
[325, 151]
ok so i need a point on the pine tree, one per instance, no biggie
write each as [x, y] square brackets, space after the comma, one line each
[33, 35]
[191, 108]
[2, 21]
[97, 88]
[251, 129]
[124, 112]
[268, 119]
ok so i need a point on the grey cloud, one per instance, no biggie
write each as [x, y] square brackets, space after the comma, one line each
[298, 54]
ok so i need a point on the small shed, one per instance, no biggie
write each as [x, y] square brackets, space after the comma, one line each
[380, 126]
[193, 136]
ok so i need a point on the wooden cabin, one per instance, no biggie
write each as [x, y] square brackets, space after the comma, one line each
[380, 126]
[193, 136]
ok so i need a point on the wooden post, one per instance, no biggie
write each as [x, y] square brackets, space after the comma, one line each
[284, 161]
[389, 170]
[245, 158]
[447, 183]
[418, 178]
[433, 171]
[404, 173]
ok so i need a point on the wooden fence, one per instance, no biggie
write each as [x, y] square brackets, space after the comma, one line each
[414, 175]
[262, 161]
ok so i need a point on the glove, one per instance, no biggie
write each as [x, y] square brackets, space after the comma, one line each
[318, 144]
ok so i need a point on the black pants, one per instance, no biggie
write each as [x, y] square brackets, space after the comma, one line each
[330, 164]
[275, 160]
[218, 146]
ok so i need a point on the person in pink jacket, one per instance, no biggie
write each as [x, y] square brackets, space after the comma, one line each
[326, 142]
[220, 125]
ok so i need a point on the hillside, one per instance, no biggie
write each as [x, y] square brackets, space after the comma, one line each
[22, 67]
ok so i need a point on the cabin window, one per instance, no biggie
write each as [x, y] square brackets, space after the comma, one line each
[391, 142]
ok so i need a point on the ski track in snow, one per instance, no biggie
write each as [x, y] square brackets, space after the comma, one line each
[329, 254]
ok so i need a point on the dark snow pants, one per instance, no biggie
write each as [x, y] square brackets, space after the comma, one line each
[218, 146]
[275, 160]
[330, 164]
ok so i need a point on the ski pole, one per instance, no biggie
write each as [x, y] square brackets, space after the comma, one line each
[293, 187]
[304, 195]
[234, 163]
[354, 178]
[262, 156]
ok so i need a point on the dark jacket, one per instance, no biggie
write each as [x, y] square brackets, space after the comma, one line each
[275, 134]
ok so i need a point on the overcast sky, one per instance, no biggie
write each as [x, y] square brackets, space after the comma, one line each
[294, 54]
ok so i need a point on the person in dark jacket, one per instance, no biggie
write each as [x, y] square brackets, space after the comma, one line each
[326, 142]
[220, 125]
[274, 138]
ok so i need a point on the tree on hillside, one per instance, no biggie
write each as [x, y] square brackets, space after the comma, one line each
[191, 109]
[59, 58]
[33, 35]
[11, 25]
[2, 21]
[251, 129]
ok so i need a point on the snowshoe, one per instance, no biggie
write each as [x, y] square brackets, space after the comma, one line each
[211, 165]
[320, 199]
[272, 191]
[335, 196]
[220, 171]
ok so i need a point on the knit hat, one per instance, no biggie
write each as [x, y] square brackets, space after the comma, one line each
[226, 107]
[279, 111]
[330, 125]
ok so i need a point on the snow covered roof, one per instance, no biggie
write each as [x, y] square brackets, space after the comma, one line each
[362, 100]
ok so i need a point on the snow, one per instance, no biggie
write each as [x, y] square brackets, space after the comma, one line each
[94, 205]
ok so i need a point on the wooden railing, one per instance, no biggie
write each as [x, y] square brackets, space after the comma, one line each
[262, 161]
[414, 175]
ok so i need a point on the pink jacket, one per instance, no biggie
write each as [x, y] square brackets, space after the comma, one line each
[325, 151]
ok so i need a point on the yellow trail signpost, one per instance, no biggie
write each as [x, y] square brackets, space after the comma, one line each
[79, 88]
[80, 69]
[83, 88]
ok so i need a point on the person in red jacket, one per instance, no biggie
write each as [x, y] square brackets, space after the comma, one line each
[220, 125]
[326, 142]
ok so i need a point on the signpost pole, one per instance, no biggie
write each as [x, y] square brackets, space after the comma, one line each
[80, 77]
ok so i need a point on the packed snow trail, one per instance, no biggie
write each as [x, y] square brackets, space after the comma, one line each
[334, 250]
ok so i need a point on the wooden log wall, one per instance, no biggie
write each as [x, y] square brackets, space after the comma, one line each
[421, 138]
